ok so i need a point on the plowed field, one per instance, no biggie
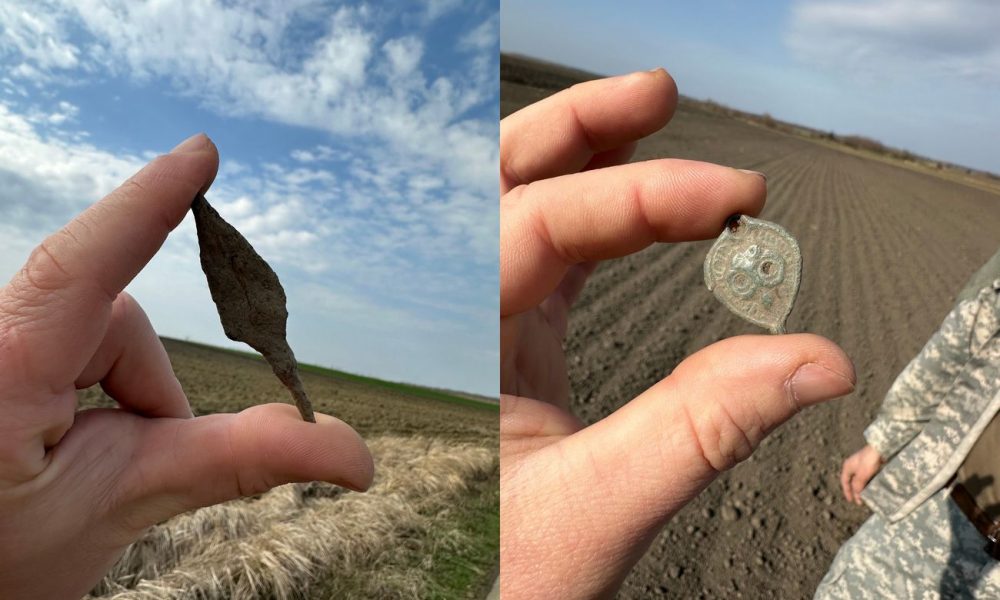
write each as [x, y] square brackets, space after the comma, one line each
[886, 247]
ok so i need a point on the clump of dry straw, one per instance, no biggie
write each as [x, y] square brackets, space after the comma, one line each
[283, 542]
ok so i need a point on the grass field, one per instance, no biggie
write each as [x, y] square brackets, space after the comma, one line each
[428, 527]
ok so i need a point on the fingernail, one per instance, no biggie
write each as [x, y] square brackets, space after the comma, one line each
[194, 143]
[757, 173]
[657, 70]
[813, 383]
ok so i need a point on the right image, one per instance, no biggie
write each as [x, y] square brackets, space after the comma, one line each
[750, 298]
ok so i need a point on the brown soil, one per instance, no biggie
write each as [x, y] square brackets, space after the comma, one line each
[885, 249]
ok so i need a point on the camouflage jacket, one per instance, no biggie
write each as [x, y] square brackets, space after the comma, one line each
[939, 405]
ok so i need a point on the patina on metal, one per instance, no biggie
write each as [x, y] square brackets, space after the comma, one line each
[754, 269]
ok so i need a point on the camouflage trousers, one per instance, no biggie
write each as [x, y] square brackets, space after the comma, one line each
[934, 552]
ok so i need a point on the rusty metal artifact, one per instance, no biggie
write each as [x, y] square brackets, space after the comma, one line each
[248, 296]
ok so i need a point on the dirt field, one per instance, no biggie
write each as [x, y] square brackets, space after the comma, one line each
[427, 528]
[885, 248]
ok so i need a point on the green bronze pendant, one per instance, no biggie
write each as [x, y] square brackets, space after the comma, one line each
[754, 270]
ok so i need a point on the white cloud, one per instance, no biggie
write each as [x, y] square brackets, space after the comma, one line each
[319, 153]
[403, 54]
[64, 175]
[899, 38]
[243, 60]
[437, 8]
[13, 89]
[48, 180]
[237, 209]
[304, 156]
[66, 111]
[485, 36]
[37, 36]
[333, 88]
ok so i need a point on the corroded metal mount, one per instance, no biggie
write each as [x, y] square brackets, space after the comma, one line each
[754, 269]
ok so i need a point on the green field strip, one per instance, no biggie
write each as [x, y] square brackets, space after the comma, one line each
[408, 389]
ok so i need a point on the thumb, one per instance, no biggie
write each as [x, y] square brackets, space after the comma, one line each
[709, 414]
[626, 475]
[183, 464]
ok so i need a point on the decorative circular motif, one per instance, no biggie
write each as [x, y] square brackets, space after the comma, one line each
[771, 270]
[742, 283]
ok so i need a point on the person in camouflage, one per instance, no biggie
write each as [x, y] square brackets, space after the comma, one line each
[919, 543]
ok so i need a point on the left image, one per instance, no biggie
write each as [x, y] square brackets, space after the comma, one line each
[248, 342]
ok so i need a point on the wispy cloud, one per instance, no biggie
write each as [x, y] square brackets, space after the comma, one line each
[37, 38]
[54, 175]
[900, 38]
[485, 36]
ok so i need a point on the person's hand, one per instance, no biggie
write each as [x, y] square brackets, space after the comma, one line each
[77, 487]
[858, 470]
[581, 504]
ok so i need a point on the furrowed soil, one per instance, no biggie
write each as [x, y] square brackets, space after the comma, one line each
[427, 528]
[886, 247]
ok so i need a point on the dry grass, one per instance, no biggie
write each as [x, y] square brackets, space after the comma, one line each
[301, 540]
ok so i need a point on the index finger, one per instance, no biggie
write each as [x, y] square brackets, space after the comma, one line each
[65, 290]
[560, 134]
[550, 225]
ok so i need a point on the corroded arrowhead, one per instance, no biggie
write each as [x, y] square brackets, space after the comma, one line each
[754, 269]
[249, 297]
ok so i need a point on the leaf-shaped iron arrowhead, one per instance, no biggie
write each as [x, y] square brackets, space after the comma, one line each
[248, 296]
[754, 269]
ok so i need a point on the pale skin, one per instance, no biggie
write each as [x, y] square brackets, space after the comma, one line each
[858, 470]
[77, 487]
[580, 505]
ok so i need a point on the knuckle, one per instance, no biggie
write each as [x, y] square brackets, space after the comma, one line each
[166, 170]
[722, 441]
[49, 274]
[45, 270]
[132, 185]
[45, 275]
[250, 484]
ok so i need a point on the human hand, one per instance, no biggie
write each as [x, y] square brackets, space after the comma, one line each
[858, 470]
[581, 504]
[77, 487]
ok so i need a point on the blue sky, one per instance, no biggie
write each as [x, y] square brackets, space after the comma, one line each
[358, 154]
[918, 74]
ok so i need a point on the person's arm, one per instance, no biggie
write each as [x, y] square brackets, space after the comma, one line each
[915, 394]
